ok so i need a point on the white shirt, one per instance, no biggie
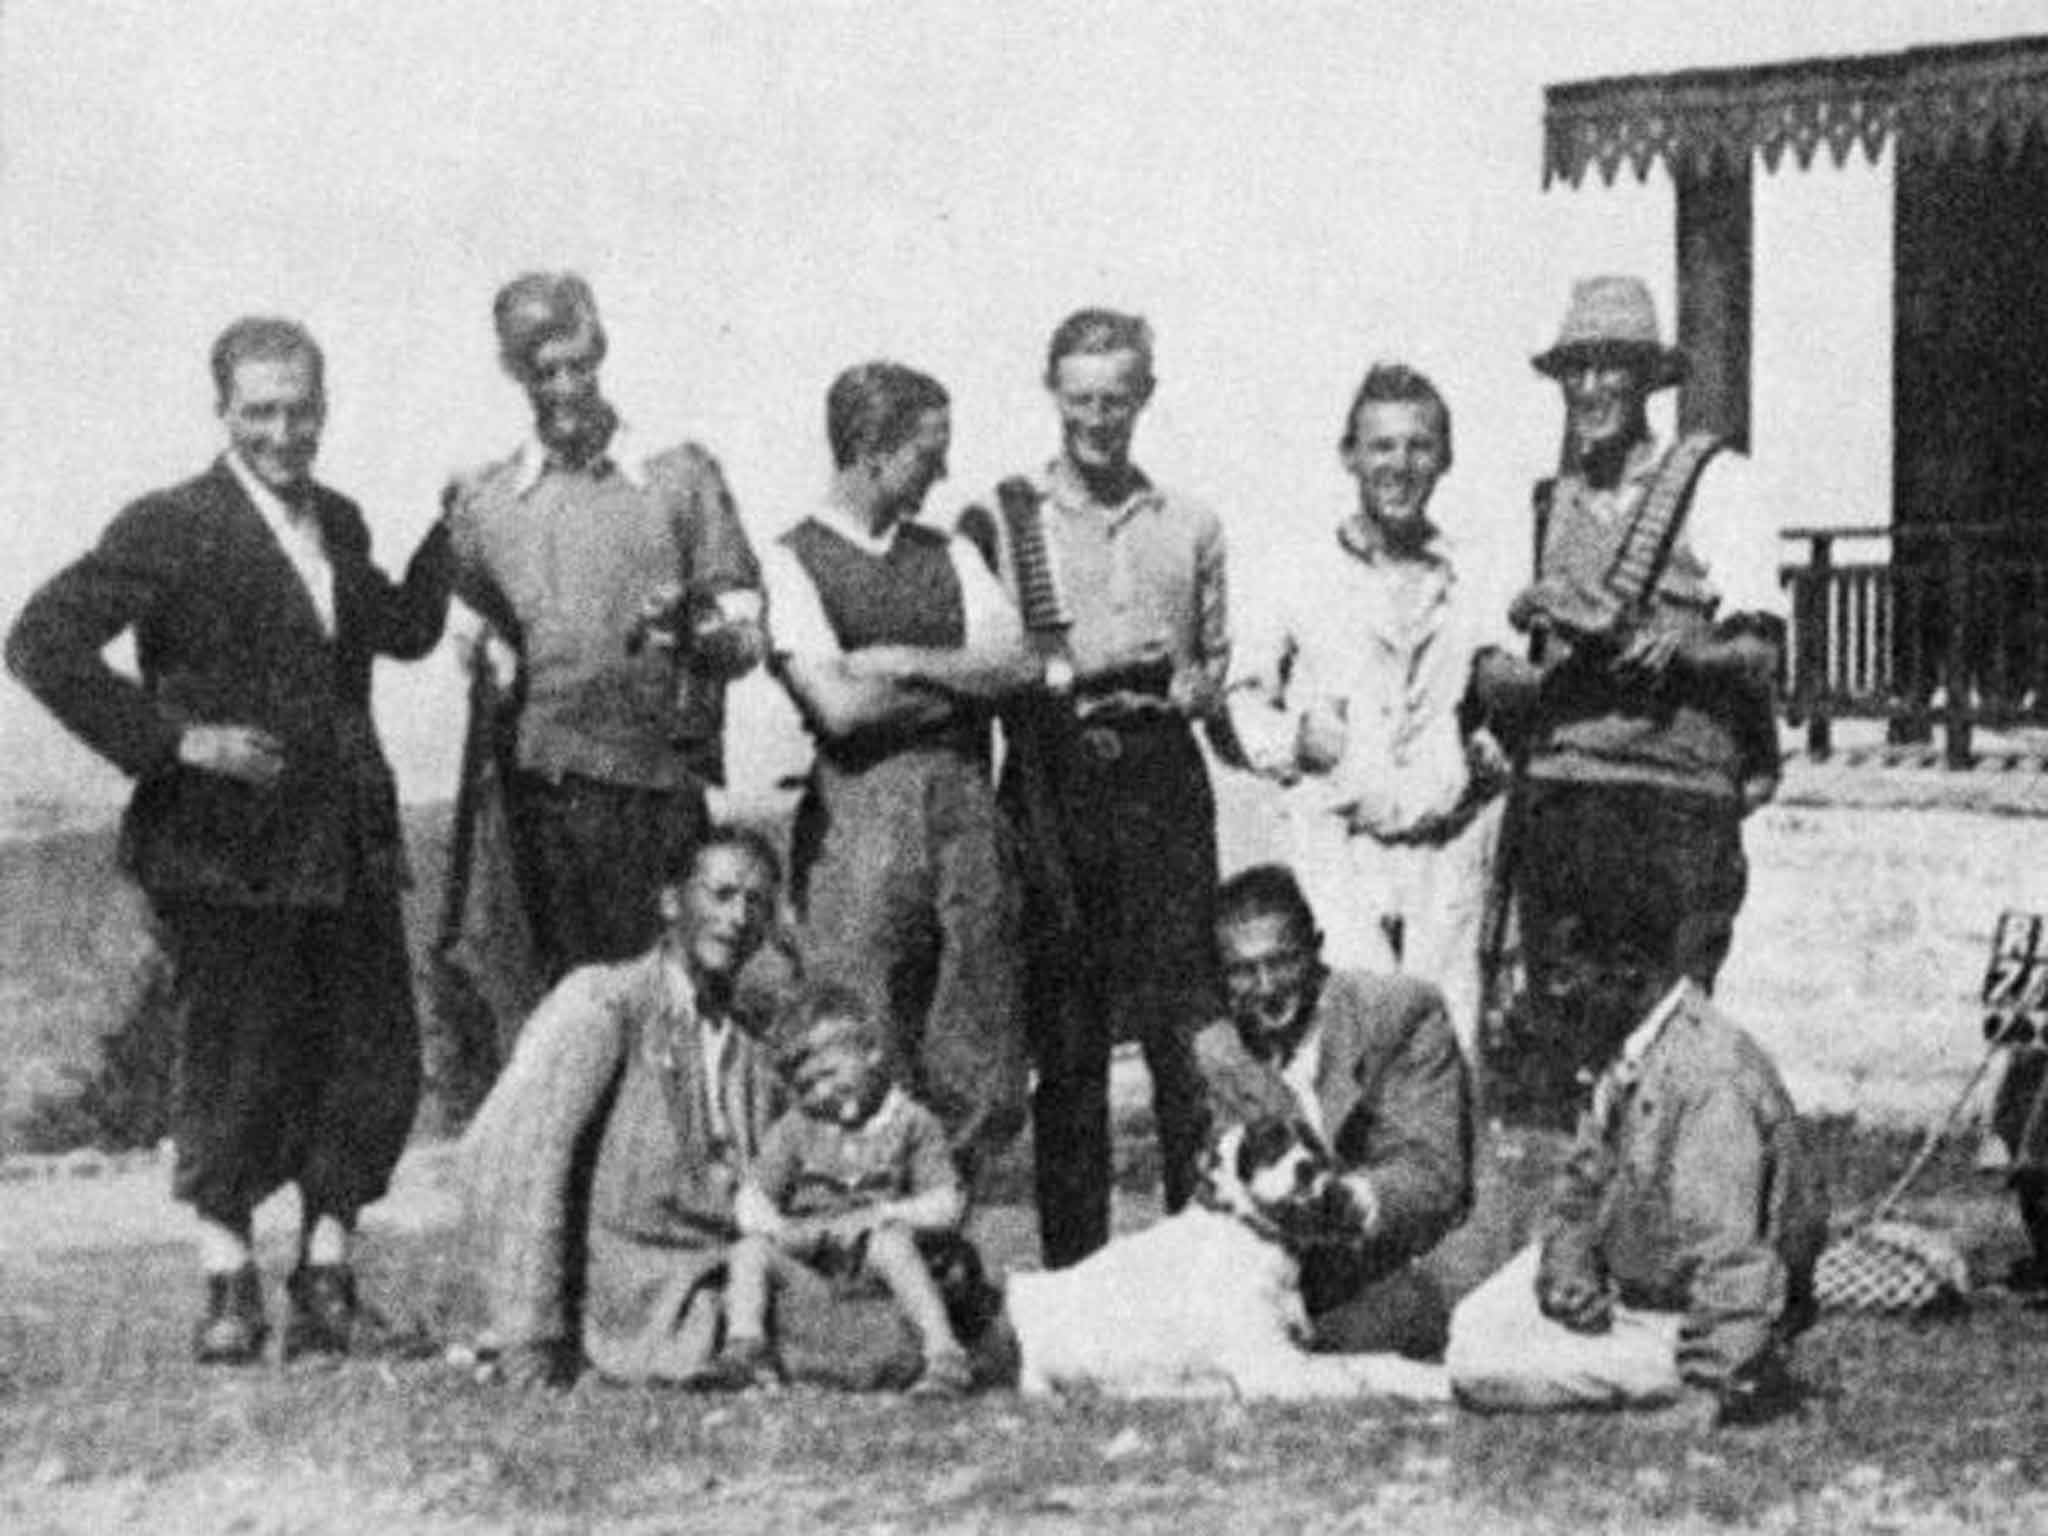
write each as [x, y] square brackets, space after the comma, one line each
[1300, 1077]
[298, 535]
[622, 453]
[797, 625]
[1386, 644]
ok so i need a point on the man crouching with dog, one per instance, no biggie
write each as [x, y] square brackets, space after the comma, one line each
[1370, 1064]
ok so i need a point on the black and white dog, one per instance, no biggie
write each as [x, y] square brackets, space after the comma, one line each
[1206, 1303]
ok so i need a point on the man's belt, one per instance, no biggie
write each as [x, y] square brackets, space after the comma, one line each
[1106, 733]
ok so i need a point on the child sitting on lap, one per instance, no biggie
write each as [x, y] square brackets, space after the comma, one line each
[845, 1183]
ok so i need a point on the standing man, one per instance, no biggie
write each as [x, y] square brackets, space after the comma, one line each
[1656, 616]
[264, 824]
[626, 589]
[1370, 1064]
[895, 643]
[1352, 701]
[1113, 795]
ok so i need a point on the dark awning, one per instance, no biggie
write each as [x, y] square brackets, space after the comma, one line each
[1971, 100]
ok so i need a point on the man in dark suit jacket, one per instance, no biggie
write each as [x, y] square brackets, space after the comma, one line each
[1370, 1064]
[264, 822]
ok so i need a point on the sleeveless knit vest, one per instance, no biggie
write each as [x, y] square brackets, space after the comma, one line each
[909, 595]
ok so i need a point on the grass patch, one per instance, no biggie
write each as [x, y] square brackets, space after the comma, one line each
[1908, 1427]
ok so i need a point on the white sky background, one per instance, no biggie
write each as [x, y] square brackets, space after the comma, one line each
[763, 193]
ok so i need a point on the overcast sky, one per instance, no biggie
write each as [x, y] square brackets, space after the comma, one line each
[763, 193]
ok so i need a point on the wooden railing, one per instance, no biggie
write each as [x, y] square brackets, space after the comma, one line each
[1936, 624]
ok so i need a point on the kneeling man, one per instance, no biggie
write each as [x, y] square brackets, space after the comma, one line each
[1676, 1262]
[1370, 1063]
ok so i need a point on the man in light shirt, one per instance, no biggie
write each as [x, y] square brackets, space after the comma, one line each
[1369, 1063]
[264, 824]
[1113, 798]
[1349, 691]
[895, 642]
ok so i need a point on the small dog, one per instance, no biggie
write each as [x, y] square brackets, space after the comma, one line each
[1206, 1303]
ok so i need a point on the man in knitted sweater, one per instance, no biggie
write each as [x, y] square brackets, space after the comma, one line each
[1656, 621]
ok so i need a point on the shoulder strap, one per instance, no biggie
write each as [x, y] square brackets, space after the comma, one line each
[1542, 497]
[1646, 549]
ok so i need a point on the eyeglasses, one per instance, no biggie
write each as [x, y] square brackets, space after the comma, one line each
[1287, 965]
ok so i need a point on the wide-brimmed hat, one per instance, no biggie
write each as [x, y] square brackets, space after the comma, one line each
[1613, 317]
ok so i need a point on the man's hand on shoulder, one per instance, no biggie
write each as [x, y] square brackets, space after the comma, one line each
[246, 753]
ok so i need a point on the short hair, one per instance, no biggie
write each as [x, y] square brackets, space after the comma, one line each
[1266, 890]
[1396, 384]
[1088, 332]
[827, 1015]
[876, 407]
[686, 858]
[262, 336]
[538, 307]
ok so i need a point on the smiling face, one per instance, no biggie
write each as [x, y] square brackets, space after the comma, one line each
[905, 474]
[273, 413]
[1099, 396]
[560, 378]
[1270, 972]
[1397, 456]
[842, 1084]
[1604, 396]
[718, 918]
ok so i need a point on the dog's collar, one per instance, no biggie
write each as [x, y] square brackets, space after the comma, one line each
[1257, 1222]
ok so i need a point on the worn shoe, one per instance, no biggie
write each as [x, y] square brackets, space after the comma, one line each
[947, 1373]
[322, 1315]
[233, 1331]
[744, 1365]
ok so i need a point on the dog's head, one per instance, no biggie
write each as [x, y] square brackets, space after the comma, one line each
[1271, 1173]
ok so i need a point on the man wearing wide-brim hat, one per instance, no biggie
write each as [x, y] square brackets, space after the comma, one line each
[1656, 633]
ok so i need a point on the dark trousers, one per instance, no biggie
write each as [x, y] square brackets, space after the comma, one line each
[1137, 824]
[299, 1054]
[591, 857]
[1401, 1311]
[1615, 882]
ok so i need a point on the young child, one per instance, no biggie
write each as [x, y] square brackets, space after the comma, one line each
[845, 1183]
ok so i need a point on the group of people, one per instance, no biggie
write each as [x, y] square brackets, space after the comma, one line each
[979, 914]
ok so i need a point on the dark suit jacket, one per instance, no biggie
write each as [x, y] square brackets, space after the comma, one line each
[1394, 1092]
[226, 634]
